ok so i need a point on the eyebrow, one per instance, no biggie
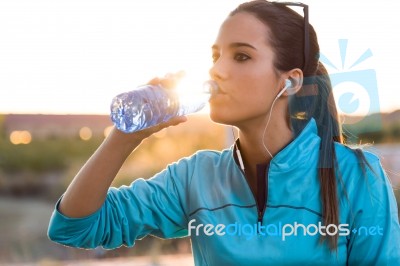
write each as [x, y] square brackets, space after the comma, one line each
[236, 45]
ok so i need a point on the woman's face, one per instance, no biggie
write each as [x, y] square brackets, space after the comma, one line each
[243, 68]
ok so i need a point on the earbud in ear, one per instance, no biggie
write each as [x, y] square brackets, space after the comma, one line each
[288, 87]
[291, 89]
[288, 84]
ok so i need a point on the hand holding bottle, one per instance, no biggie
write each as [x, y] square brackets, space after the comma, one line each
[168, 82]
[153, 104]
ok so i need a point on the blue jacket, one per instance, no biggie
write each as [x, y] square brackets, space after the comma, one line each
[207, 197]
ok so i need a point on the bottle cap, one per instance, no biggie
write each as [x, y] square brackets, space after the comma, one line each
[210, 86]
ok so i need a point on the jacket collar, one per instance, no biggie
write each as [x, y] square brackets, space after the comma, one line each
[296, 152]
[299, 150]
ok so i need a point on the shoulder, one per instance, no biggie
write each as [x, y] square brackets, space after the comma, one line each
[360, 171]
[201, 160]
[349, 155]
[205, 157]
[356, 163]
[362, 176]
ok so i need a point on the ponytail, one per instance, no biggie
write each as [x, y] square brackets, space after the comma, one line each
[329, 130]
[315, 100]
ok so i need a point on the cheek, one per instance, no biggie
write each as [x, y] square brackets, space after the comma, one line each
[255, 105]
[260, 84]
[238, 108]
[250, 96]
[255, 96]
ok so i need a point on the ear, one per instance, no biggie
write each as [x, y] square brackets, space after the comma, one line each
[296, 77]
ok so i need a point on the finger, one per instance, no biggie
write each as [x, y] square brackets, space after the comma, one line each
[154, 81]
[177, 120]
[171, 80]
[174, 121]
[177, 75]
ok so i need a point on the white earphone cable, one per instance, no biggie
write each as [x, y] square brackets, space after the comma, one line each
[238, 154]
[266, 126]
[288, 84]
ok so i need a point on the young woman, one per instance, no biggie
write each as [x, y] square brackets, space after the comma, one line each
[288, 191]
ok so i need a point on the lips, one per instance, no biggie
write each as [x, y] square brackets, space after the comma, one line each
[212, 87]
[218, 89]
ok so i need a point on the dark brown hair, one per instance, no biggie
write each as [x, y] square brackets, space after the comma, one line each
[314, 100]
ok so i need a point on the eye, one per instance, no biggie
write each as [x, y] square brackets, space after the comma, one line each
[240, 57]
[215, 57]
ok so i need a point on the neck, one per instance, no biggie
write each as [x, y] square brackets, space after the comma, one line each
[252, 139]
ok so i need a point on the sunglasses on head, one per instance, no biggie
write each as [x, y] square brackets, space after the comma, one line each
[306, 28]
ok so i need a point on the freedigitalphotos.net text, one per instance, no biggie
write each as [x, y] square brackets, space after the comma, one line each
[279, 229]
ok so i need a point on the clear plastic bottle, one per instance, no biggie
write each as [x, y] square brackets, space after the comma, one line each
[150, 105]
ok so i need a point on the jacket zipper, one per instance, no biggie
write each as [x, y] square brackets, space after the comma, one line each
[260, 213]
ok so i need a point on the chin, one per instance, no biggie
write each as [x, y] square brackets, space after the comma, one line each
[221, 118]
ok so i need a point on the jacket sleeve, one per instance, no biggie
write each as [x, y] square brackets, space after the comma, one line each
[154, 206]
[375, 232]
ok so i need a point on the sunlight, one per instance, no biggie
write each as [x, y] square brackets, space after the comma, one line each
[85, 133]
[191, 89]
[20, 137]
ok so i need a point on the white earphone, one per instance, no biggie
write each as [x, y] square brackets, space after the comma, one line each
[288, 87]
[239, 155]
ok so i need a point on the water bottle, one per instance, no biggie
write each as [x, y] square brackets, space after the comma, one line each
[150, 105]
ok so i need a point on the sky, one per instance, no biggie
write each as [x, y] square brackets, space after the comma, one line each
[72, 57]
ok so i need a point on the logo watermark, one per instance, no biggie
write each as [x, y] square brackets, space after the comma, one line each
[355, 89]
[279, 230]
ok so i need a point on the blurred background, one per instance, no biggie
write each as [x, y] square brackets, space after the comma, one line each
[61, 62]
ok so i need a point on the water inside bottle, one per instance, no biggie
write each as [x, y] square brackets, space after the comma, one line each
[150, 105]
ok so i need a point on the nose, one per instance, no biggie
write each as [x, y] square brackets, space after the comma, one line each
[219, 70]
